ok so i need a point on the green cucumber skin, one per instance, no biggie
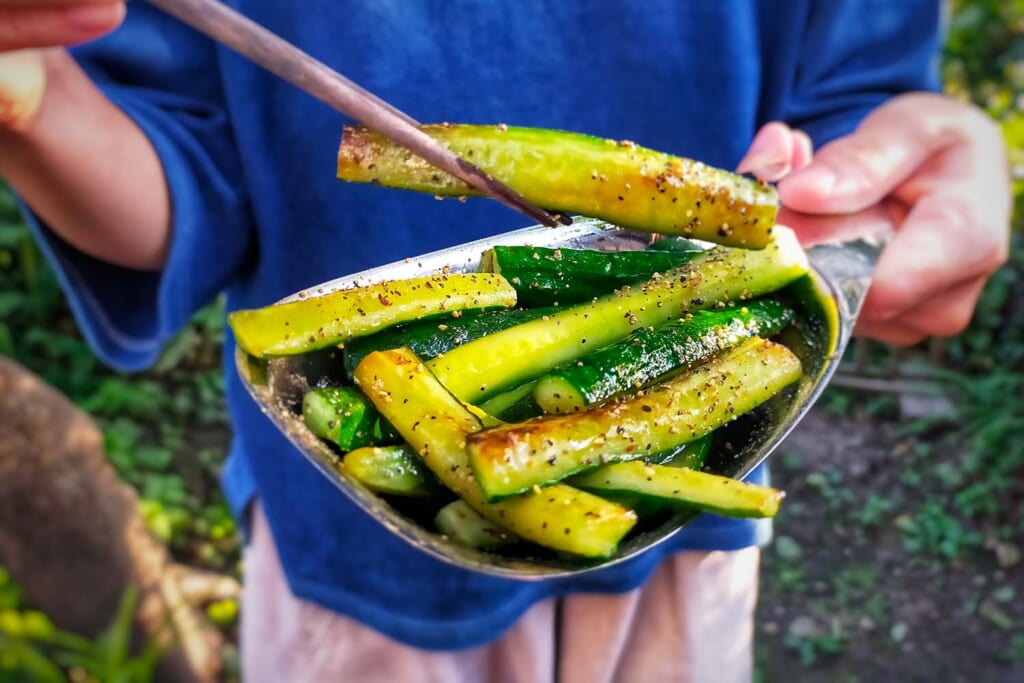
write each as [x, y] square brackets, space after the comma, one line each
[676, 244]
[514, 405]
[431, 338]
[651, 353]
[530, 349]
[520, 411]
[510, 459]
[692, 454]
[346, 418]
[620, 182]
[464, 525]
[392, 470]
[544, 276]
[341, 415]
[681, 486]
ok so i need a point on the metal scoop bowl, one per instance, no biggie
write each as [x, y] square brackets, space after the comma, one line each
[827, 304]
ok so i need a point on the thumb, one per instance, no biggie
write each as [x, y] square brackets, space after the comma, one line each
[857, 171]
[22, 82]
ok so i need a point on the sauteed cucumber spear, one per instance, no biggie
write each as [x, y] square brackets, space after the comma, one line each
[617, 181]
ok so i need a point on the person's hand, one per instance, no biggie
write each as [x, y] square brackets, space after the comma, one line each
[28, 25]
[66, 149]
[931, 169]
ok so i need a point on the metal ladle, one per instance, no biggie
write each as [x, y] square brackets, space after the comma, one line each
[831, 303]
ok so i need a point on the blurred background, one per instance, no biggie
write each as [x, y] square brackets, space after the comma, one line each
[897, 557]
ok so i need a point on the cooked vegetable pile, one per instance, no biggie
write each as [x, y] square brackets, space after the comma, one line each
[558, 396]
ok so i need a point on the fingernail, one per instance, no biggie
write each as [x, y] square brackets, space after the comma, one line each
[764, 165]
[90, 18]
[774, 172]
[757, 159]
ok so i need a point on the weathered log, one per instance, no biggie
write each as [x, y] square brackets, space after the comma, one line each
[71, 534]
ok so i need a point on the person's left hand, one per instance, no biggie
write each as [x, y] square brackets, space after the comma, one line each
[927, 167]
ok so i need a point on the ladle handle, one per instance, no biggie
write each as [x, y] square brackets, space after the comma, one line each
[849, 266]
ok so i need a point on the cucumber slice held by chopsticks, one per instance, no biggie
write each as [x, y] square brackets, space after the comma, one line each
[617, 181]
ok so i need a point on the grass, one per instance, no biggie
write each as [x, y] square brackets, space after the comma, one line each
[900, 543]
[30, 645]
[904, 540]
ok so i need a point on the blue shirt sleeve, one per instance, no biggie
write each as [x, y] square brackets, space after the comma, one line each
[165, 77]
[857, 54]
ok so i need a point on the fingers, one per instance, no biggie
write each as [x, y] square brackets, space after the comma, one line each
[939, 244]
[891, 333]
[24, 25]
[860, 169]
[947, 313]
[811, 230]
[943, 315]
[931, 274]
[803, 149]
[22, 82]
[775, 151]
[935, 171]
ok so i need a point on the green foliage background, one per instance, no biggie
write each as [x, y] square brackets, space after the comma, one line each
[984, 63]
[166, 429]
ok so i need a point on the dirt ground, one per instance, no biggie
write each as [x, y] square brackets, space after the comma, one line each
[845, 596]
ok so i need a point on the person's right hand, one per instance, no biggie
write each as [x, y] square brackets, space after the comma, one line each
[928, 170]
[26, 26]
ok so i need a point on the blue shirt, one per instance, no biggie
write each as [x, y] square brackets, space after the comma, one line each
[257, 212]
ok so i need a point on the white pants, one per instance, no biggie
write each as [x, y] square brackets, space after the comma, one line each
[692, 622]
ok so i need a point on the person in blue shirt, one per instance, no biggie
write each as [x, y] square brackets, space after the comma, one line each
[158, 169]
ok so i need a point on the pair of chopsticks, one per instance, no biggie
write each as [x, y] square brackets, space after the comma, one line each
[276, 55]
